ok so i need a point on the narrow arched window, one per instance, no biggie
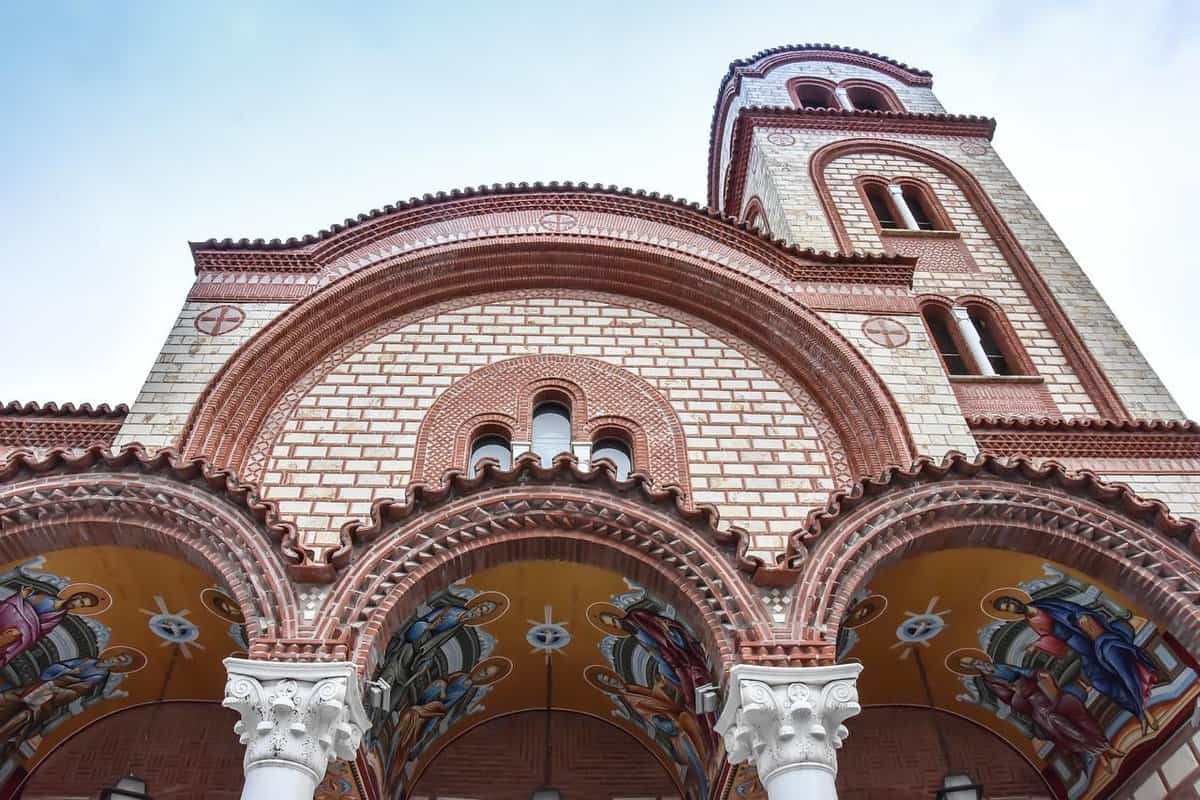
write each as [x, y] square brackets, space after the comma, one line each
[864, 98]
[490, 445]
[989, 340]
[881, 205]
[920, 207]
[938, 321]
[811, 94]
[617, 451]
[551, 431]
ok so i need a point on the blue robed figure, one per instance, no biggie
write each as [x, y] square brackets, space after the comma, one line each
[1110, 659]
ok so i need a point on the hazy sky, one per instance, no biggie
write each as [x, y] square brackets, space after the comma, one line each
[129, 129]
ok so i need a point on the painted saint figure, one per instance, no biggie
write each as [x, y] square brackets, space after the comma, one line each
[1110, 659]
[28, 616]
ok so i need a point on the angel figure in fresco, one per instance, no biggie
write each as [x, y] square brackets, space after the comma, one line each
[1110, 659]
[25, 710]
[678, 655]
[28, 616]
[1058, 713]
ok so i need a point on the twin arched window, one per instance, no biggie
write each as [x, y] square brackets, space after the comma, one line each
[904, 205]
[550, 436]
[973, 339]
[851, 95]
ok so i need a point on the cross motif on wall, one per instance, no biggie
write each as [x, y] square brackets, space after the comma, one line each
[885, 332]
[557, 221]
[219, 320]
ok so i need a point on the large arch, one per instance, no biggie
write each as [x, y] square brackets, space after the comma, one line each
[1078, 355]
[1103, 530]
[184, 509]
[693, 278]
[560, 513]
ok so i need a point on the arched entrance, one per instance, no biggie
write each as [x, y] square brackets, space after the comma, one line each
[1054, 610]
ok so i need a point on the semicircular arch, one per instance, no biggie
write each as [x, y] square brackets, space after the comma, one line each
[176, 508]
[1102, 530]
[236, 404]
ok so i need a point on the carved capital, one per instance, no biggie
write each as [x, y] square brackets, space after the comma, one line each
[787, 718]
[300, 714]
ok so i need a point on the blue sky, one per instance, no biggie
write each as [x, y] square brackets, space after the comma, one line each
[129, 129]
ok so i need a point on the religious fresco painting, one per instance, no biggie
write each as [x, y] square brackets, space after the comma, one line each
[654, 664]
[439, 669]
[88, 631]
[616, 653]
[1072, 674]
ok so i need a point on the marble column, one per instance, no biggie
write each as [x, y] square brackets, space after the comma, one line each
[787, 721]
[296, 718]
[906, 215]
[970, 337]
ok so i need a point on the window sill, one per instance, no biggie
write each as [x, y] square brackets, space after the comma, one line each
[905, 233]
[997, 379]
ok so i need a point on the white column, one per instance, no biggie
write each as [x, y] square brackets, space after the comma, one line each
[296, 718]
[844, 98]
[970, 337]
[788, 720]
[906, 215]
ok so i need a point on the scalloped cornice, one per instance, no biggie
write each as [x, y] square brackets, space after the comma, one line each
[33, 408]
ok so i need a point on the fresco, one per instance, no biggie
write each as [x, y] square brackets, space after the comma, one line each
[1072, 674]
[654, 664]
[90, 630]
[479, 649]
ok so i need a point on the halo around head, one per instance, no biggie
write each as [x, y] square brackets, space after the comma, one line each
[486, 607]
[990, 602]
[103, 597]
[606, 618]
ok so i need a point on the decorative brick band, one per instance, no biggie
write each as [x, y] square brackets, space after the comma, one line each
[1086, 439]
[1104, 530]
[413, 549]
[1079, 357]
[603, 397]
[226, 421]
[185, 509]
[51, 425]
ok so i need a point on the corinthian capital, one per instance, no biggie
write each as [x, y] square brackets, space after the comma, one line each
[788, 718]
[297, 715]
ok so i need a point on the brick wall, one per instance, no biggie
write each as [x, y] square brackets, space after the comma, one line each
[894, 753]
[188, 361]
[752, 444]
[502, 760]
[179, 749]
[785, 167]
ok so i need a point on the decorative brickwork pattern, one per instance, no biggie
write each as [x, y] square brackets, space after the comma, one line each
[590, 760]
[603, 397]
[758, 446]
[180, 749]
[934, 251]
[36, 427]
[991, 395]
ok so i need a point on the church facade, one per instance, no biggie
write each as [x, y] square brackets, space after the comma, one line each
[846, 482]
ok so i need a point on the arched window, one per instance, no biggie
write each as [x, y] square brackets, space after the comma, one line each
[866, 97]
[490, 445]
[993, 340]
[813, 93]
[881, 205]
[756, 217]
[940, 325]
[615, 450]
[551, 431]
[921, 208]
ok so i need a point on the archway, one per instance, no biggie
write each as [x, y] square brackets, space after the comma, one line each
[1052, 608]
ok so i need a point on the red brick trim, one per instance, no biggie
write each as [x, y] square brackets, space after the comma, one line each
[1079, 357]
[57, 431]
[752, 118]
[509, 389]
[233, 408]
[1102, 529]
[755, 216]
[1014, 352]
[653, 536]
[82, 411]
[184, 509]
[1087, 439]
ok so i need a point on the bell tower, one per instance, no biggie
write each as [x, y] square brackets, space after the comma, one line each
[844, 150]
